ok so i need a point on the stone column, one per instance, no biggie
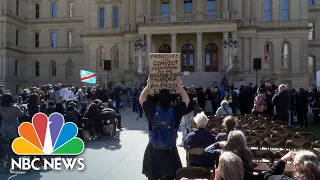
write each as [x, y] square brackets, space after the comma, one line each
[148, 15]
[199, 52]
[253, 13]
[174, 42]
[225, 52]
[149, 40]
[234, 51]
[140, 10]
[126, 53]
[246, 55]
[173, 17]
[225, 13]
[199, 10]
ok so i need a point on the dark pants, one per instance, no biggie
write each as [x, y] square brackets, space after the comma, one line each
[140, 110]
[316, 117]
[292, 117]
[117, 106]
[302, 119]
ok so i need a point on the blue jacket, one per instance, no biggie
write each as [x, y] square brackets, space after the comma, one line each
[200, 138]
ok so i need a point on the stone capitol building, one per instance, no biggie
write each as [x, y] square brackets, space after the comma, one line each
[49, 41]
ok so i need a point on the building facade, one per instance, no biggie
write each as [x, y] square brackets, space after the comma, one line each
[49, 41]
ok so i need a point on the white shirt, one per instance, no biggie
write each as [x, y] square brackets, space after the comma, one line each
[65, 94]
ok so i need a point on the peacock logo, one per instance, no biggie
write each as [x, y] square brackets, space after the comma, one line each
[48, 136]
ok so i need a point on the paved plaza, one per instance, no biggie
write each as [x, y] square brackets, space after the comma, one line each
[107, 159]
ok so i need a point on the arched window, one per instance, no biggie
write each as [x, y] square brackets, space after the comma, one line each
[211, 59]
[165, 48]
[53, 68]
[187, 52]
[37, 69]
[285, 58]
[312, 65]
[70, 68]
[268, 55]
[100, 56]
[115, 57]
[16, 68]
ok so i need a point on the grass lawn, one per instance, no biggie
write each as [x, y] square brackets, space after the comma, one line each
[312, 128]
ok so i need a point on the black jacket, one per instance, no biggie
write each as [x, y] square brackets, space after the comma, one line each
[276, 172]
[281, 101]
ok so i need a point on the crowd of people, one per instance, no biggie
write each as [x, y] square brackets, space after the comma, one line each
[227, 152]
[166, 113]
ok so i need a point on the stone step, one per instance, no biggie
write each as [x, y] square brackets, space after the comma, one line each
[202, 79]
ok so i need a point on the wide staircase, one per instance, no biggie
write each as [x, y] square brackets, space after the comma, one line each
[202, 79]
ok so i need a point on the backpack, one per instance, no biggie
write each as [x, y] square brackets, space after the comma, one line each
[163, 135]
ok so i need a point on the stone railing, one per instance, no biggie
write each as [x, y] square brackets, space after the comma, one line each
[283, 24]
[106, 30]
[212, 17]
[186, 17]
[160, 19]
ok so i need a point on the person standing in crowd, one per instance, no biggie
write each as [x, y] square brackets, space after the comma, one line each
[89, 95]
[161, 160]
[260, 104]
[315, 105]
[301, 106]
[281, 103]
[201, 98]
[54, 94]
[33, 102]
[216, 96]
[64, 93]
[231, 97]
[9, 114]
[117, 99]
[24, 95]
[209, 99]
[245, 101]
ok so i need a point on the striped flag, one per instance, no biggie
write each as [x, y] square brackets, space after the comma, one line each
[88, 77]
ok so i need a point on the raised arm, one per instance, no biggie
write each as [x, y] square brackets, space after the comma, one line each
[145, 91]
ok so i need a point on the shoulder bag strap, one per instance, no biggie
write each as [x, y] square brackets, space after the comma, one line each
[226, 110]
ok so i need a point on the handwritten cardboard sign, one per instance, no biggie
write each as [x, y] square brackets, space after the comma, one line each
[164, 68]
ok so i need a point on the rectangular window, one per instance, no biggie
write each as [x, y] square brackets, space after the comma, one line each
[36, 39]
[310, 2]
[17, 38]
[71, 7]
[284, 10]
[267, 10]
[115, 16]
[211, 7]
[53, 10]
[70, 40]
[311, 31]
[53, 39]
[17, 7]
[101, 17]
[187, 6]
[165, 9]
[37, 10]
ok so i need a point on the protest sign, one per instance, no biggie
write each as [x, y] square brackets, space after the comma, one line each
[164, 68]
